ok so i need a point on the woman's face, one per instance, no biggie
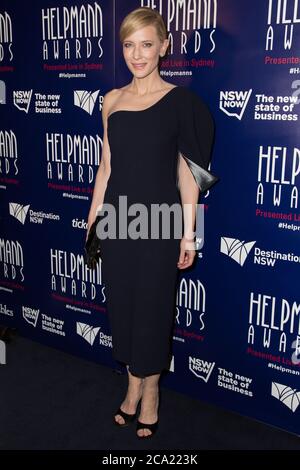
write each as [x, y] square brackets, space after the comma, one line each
[141, 51]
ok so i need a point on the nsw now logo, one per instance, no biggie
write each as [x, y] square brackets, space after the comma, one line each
[233, 103]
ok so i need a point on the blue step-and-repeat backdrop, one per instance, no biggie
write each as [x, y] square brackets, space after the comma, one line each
[236, 339]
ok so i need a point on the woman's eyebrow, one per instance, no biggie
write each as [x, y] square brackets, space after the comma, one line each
[144, 40]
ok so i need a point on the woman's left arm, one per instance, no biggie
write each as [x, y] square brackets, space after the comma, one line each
[189, 194]
[194, 144]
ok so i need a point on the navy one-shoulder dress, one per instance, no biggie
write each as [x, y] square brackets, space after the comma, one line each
[140, 274]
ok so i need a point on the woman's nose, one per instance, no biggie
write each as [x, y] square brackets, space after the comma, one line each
[136, 53]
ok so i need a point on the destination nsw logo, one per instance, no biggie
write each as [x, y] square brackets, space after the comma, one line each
[239, 251]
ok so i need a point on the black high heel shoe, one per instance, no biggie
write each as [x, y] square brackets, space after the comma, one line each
[128, 418]
[151, 427]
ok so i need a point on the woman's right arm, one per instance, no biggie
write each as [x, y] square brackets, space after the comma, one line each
[103, 172]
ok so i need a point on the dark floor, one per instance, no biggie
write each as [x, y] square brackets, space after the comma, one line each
[53, 400]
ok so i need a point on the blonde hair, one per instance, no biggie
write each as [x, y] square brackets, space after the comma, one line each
[139, 18]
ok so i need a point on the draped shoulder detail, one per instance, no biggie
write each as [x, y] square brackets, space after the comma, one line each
[195, 138]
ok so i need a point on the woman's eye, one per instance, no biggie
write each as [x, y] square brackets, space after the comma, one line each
[147, 44]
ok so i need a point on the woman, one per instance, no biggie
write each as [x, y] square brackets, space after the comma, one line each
[156, 149]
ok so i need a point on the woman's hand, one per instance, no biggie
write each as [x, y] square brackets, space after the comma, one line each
[187, 253]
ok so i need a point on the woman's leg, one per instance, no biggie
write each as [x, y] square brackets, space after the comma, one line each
[150, 402]
[134, 393]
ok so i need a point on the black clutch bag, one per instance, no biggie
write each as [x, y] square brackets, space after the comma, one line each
[92, 246]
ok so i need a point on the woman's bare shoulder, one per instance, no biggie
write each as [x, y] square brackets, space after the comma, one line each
[111, 94]
[108, 100]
